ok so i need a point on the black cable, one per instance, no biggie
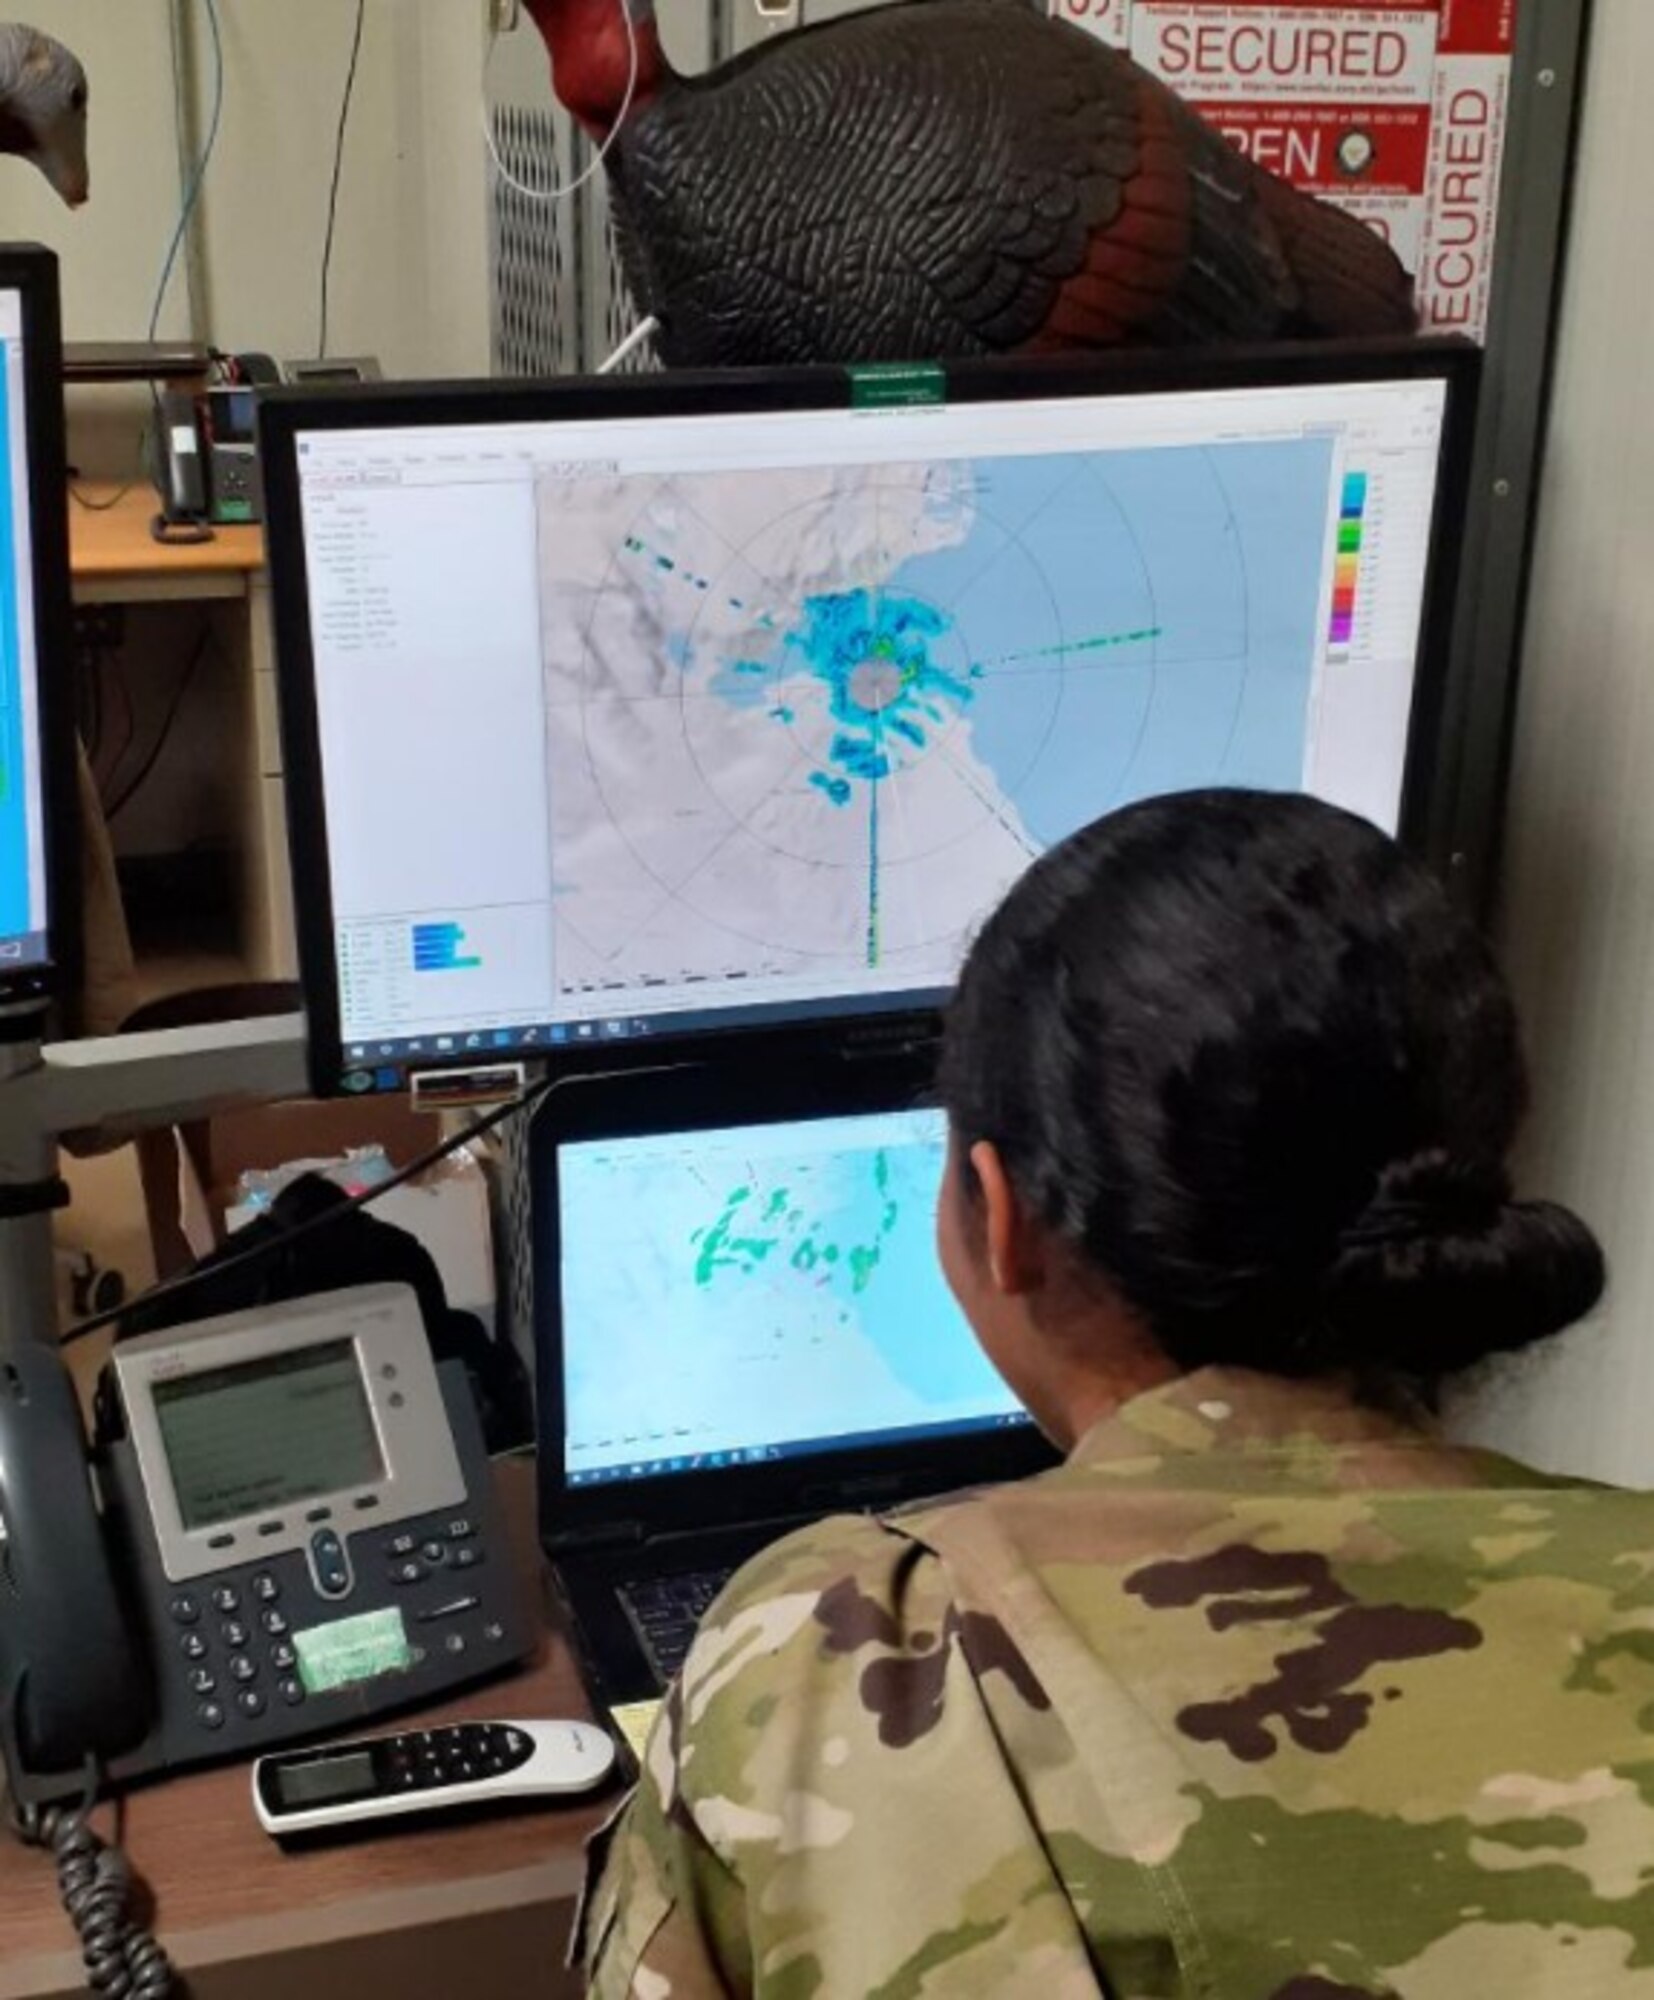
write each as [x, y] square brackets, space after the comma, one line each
[168, 721]
[338, 169]
[89, 702]
[116, 672]
[256, 1253]
[114, 500]
[123, 1960]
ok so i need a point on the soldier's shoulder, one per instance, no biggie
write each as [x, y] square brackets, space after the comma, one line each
[843, 1555]
[800, 1619]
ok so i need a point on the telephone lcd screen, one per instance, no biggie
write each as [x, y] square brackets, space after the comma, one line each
[260, 1434]
[326, 1779]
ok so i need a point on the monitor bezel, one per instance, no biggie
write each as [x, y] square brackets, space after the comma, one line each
[286, 413]
[31, 270]
[706, 1096]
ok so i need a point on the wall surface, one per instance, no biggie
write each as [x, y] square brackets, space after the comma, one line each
[410, 268]
[1578, 895]
[111, 250]
[410, 264]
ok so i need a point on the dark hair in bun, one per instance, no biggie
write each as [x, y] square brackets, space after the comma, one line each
[1251, 1063]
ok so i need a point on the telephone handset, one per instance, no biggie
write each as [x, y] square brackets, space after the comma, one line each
[181, 469]
[298, 1532]
[71, 1684]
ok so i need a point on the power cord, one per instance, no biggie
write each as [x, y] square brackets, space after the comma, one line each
[123, 798]
[192, 192]
[338, 168]
[645, 327]
[562, 191]
[123, 1959]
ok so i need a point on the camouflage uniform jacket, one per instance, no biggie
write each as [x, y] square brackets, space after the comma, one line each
[1260, 1696]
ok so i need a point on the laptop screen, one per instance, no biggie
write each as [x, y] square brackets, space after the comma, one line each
[756, 1292]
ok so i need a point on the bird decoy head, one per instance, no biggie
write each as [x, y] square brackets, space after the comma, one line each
[43, 94]
[593, 46]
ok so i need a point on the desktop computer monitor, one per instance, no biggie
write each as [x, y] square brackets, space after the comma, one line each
[37, 810]
[621, 713]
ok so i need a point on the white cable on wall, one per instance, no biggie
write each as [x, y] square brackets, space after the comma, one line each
[563, 191]
[634, 340]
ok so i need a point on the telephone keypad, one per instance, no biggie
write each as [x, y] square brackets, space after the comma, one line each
[457, 1754]
[239, 1675]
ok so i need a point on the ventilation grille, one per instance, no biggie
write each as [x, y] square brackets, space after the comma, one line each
[536, 301]
[560, 303]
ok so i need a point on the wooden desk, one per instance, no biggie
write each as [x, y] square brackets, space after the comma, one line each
[109, 543]
[483, 1907]
[114, 559]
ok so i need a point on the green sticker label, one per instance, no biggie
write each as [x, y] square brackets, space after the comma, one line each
[897, 385]
[351, 1650]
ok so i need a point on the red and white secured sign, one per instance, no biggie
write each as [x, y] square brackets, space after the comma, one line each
[1395, 109]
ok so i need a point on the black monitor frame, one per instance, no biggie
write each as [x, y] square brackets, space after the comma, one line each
[694, 1097]
[285, 414]
[31, 270]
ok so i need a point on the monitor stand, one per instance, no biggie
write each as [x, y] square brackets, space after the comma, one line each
[118, 1085]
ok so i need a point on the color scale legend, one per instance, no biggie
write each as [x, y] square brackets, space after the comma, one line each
[441, 948]
[1346, 581]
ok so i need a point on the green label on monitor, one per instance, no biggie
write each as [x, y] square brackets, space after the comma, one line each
[351, 1650]
[897, 385]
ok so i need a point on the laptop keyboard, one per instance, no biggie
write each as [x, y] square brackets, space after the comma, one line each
[664, 1611]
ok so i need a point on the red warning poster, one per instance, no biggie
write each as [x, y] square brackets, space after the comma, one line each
[1396, 109]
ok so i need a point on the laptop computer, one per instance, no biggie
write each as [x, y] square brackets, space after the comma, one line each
[742, 1326]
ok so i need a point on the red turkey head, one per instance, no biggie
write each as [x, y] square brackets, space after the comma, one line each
[591, 57]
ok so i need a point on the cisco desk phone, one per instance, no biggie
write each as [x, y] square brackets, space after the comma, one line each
[285, 1526]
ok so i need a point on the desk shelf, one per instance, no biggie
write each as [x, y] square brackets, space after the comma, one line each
[116, 561]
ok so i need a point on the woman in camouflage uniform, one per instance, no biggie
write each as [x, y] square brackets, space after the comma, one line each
[1267, 1693]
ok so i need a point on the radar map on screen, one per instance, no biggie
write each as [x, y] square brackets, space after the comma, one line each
[820, 718]
[737, 1290]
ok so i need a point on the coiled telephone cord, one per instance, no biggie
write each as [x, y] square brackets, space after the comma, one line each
[123, 1961]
